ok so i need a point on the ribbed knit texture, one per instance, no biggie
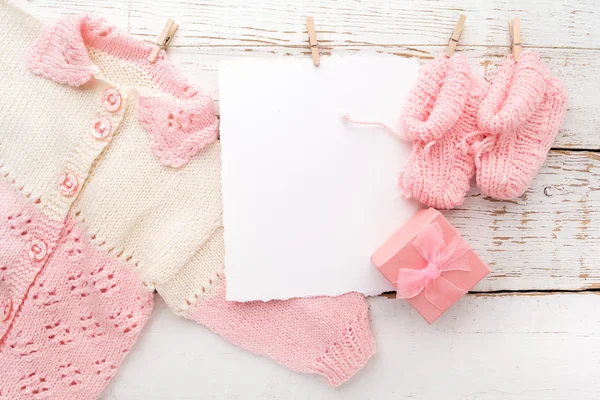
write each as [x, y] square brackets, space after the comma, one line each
[440, 115]
[520, 116]
[460, 124]
[325, 335]
[101, 204]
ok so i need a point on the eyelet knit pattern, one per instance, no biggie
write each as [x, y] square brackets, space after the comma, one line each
[81, 316]
[179, 125]
[439, 116]
[178, 129]
[522, 114]
[20, 224]
[79, 267]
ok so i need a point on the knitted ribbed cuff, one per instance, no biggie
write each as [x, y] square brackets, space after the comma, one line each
[347, 355]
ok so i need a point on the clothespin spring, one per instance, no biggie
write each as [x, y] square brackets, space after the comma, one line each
[312, 40]
[455, 37]
[514, 29]
[163, 39]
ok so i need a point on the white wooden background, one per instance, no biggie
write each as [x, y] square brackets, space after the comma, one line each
[533, 330]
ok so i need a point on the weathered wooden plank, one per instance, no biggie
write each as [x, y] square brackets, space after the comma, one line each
[236, 38]
[538, 242]
[114, 10]
[485, 346]
[579, 131]
[549, 238]
[500, 347]
[349, 22]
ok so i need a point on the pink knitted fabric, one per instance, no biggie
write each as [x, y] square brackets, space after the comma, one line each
[179, 125]
[440, 116]
[520, 116]
[84, 310]
[80, 317]
[190, 126]
[329, 336]
[20, 224]
[82, 252]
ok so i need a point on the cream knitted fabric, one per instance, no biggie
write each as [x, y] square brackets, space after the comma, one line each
[109, 190]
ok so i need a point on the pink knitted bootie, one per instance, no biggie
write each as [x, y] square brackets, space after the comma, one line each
[520, 117]
[439, 116]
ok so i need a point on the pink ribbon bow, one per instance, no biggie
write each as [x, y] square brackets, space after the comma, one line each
[440, 257]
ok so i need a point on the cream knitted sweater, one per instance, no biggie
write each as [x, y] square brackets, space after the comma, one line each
[110, 192]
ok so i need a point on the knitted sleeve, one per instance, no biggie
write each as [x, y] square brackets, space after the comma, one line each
[110, 190]
[329, 336]
[326, 335]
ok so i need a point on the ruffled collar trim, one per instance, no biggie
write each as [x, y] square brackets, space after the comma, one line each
[180, 120]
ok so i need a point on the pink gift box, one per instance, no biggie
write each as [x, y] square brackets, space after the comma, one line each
[430, 263]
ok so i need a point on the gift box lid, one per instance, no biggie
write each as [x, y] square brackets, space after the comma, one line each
[397, 253]
[404, 235]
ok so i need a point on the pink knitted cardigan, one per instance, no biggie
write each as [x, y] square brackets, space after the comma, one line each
[109, 193]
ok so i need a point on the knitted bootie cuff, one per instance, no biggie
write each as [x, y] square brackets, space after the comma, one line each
[517, 91]
[348, 354]
[437, 100]
[506, 170]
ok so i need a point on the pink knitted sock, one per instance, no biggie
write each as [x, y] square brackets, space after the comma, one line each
[521, 115]
[439, 116]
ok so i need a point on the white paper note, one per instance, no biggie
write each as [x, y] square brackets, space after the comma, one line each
[307, 196]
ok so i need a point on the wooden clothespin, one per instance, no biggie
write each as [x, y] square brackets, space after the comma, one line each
[163, 39]
[312, 40]
[455, 37]
[514, 28]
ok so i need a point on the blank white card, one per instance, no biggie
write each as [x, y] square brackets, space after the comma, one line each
[307, 196]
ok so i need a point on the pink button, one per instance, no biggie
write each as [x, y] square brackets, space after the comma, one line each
[68, 184]
[112, 100]
[100, 128]
[6, 309]
[38, 249]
